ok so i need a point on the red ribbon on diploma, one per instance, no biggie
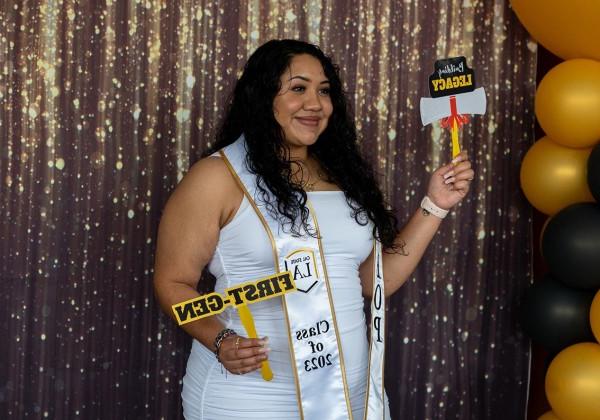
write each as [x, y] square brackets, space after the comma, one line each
[455, 117]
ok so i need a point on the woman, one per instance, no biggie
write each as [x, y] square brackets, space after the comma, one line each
[289, 157]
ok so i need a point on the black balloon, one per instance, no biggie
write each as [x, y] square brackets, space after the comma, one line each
[571, 245]
[593, 172]
[557, 316]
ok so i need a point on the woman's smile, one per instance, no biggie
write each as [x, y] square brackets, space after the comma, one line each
[309, 121]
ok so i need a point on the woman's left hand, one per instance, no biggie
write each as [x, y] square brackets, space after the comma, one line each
[450, 183]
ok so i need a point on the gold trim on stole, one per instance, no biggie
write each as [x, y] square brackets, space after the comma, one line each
[276, 260]
[384, 343]
[366, 411]
[332, 308]
[371, 338]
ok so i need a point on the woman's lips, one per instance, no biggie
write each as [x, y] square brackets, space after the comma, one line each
[309, 121]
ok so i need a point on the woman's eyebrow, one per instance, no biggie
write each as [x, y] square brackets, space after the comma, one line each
[306, 79]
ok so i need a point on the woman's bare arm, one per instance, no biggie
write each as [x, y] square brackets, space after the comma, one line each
[205, 200]
[448, 186]
[398, 266]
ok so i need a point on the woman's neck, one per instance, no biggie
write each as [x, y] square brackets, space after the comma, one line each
[298, 153]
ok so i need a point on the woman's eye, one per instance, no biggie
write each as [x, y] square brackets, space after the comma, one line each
[298, 89]
[325, 91]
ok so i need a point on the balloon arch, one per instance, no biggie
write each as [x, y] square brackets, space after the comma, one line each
[560, 176]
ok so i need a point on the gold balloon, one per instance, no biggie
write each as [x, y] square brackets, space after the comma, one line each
[595, 316]
[549, 415]
[573, 382]
[553, 176]
[567, 103]
[570, 29]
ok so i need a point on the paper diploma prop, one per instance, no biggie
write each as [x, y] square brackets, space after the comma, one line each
[453, 97]
[239, 296]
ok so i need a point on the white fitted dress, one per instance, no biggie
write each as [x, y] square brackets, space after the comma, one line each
[243, 253]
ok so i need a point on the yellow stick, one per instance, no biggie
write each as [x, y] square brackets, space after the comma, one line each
[248, 323]
[454, 135]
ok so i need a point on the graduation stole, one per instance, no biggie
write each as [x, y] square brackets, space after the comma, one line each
[315, 346]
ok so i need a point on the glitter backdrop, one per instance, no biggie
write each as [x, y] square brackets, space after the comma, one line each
[104, 105]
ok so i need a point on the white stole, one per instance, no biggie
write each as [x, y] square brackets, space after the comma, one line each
[315, 346]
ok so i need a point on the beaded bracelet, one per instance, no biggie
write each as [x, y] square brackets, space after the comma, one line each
[223, 334]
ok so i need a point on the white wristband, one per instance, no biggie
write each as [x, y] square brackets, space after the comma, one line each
[428, 205]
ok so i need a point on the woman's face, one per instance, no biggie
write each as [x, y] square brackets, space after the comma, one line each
[303, 106]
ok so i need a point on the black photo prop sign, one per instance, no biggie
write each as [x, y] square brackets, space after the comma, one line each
[451, 76]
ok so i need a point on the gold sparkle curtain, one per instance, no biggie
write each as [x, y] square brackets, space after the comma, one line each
[104, 105]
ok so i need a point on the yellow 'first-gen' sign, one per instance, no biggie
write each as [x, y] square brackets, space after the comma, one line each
[241, 294]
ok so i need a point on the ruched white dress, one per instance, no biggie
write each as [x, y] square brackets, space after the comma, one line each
[244, 253]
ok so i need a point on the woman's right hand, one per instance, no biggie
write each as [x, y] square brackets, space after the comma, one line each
[240, 355]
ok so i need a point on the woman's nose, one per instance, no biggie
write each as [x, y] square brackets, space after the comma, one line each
[312, 101]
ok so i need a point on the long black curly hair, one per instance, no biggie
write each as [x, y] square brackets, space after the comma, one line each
[250, 112]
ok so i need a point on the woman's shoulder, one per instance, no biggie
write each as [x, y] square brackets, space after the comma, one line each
[208, 182]
[209, 172]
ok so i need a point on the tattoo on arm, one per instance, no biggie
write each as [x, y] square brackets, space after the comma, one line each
[400, 247]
